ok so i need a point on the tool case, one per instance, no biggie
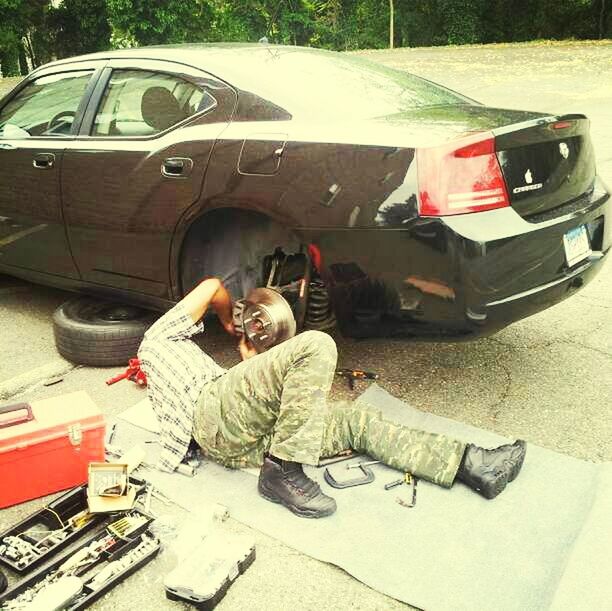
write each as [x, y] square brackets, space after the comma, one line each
[46, 532]
[85, 572]
[205, 575]
[46, 446]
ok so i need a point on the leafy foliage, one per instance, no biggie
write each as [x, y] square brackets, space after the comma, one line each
[79, 26]
[35, 31]
[154, 22]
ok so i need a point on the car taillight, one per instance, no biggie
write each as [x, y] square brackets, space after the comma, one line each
[460, 177]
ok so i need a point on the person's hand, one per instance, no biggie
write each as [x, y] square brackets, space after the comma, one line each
[230, 327]
[246, 349]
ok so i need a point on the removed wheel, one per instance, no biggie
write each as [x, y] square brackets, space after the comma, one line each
[92, 332]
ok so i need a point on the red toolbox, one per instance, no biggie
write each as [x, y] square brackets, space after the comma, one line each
[46, 446]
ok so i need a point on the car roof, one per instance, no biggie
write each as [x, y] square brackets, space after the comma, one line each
[301, 80]
[220, 59]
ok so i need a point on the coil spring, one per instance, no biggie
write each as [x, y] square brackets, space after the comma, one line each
[319, 313]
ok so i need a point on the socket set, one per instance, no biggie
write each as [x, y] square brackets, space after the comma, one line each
[44, 533]
[80, 575]
[204, 576]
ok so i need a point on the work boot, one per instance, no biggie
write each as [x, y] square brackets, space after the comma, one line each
[285, 482]
[488, 471]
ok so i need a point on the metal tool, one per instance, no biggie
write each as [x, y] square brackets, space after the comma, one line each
[146, 545]
[57, 595]
[414, 494]
[363, 464]
[132, 373]
[356, 374]
[53, 591]
[188, 470]
[19, 551]
[407, 479]
[342, 456]
[147, 501]
[85, 556]
[368, 476]
[110, 433]
[160, 496]
[127, 525]
[394, 483]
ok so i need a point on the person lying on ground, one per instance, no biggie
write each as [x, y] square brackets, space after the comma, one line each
[271, 411]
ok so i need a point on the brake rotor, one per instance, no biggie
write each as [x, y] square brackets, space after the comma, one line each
[268, 319]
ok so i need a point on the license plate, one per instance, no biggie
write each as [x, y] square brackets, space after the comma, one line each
[577, 247]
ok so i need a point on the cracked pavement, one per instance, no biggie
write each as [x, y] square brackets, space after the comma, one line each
[547, 379]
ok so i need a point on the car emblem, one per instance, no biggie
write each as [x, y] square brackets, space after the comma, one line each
[528, 186]
[564, 150]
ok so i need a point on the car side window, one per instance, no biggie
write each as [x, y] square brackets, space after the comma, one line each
[45, 107]
[143, 103]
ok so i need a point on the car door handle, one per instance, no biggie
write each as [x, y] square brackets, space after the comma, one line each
[43, 161]
[5, 146]
[177, 167]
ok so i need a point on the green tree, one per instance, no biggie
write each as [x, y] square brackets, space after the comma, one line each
[79, 26]
[34, 31]
[10, 38]
[462, 20]
[153, 22]
[23, 31]
[238, 21]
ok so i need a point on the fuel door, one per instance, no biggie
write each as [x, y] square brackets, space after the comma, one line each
[261, 154]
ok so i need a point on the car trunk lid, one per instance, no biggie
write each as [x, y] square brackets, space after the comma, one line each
[546, 163]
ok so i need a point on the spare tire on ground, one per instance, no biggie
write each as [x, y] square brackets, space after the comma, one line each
[92, 332]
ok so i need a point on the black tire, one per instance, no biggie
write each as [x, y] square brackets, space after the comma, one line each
[92, 332]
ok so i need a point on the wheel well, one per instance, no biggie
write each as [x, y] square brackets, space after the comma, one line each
[231, 243]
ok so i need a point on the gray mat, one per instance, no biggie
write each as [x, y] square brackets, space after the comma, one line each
[544, 543]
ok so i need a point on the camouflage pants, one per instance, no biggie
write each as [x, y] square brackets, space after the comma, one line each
[276, 402]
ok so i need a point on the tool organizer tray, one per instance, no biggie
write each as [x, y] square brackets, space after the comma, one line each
[118, 554]
[50, 519]
[204, 576]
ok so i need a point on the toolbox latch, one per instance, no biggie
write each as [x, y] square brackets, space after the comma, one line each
[75, 434]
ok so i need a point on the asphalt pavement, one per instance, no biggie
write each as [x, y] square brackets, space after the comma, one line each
[547, 379]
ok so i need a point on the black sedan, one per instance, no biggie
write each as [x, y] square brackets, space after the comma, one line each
[408, 209]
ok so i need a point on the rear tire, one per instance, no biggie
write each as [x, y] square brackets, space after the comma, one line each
[99, 333]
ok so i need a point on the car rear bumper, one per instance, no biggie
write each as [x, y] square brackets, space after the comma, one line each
[505, 311]
[458, 277]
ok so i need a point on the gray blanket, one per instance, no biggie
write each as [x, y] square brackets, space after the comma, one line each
[544, 543]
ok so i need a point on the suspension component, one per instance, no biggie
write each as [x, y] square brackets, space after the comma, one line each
[319, 313]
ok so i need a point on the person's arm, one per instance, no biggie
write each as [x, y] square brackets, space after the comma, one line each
[210, 292]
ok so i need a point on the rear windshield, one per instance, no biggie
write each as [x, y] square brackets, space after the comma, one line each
[334, 85]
